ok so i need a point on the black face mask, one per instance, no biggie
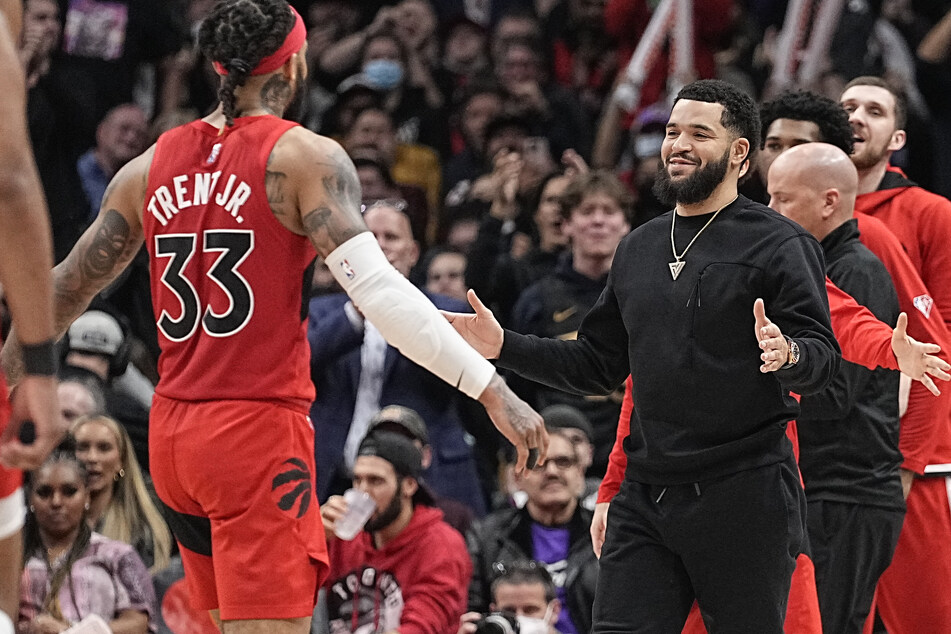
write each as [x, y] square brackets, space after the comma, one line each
[695, 188]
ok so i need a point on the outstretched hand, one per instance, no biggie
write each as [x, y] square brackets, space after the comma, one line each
[775, 348]
[519, 423]
[481, 329]
[916, 359]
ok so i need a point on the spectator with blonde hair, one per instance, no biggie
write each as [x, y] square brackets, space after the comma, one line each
[121, 507]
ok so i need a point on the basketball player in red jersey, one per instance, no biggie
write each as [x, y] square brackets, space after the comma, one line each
[25, 258]
[231, 209]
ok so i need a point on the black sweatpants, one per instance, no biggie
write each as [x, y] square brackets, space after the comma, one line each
[852, 545]
[730, 542]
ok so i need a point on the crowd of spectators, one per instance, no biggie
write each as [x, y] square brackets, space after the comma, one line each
[492, 155]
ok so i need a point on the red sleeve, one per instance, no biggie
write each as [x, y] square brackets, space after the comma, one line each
[923, 421]
[863, 338]
[438, 595]
[617, 461]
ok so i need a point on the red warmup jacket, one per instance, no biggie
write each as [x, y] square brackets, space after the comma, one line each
[417, 583]
[925, 433]
[922, 223]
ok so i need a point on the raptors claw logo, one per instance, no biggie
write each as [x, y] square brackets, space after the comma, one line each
[297, 473]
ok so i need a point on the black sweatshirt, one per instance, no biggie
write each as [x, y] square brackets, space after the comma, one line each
[702, 408]
[848, 432]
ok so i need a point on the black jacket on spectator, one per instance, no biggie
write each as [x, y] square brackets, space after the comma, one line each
[506, 536]
[496, 276]
[554, 307]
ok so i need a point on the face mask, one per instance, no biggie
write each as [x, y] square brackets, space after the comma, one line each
[384, 74]
[531, 625]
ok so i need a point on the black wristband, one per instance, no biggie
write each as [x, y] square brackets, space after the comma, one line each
[39, 359]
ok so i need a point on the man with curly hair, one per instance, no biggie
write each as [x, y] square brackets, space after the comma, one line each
[232, 208]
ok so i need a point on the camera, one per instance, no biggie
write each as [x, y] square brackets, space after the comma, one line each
[497, 623]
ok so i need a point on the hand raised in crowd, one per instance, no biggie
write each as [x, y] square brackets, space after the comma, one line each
[573, 163]
[916, 359]
[599, 525]
[771, 340]
[415, 24]
[501, 184]
[506, 175]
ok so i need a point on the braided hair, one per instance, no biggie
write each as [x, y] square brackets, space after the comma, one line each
[239, 34]
[33, 542]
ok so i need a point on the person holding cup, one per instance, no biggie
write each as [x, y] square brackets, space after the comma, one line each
[407, 567]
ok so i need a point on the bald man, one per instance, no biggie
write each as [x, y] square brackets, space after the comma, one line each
[25, 261]
[848, 433]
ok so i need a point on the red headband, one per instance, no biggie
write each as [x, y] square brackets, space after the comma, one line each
[292, 43]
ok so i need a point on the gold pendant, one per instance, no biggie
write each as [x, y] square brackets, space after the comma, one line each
[675, 268]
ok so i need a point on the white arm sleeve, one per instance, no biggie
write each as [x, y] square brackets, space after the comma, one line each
[405, 317]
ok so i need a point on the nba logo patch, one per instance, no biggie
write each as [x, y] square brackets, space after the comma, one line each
[348, 270]
[215, 150]
[924, 304]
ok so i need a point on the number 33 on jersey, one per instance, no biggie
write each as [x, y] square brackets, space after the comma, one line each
[227, 276]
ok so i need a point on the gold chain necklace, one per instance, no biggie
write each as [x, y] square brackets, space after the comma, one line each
[678, 264]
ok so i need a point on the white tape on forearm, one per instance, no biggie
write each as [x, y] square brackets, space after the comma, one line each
[405, 317]
[12, 513]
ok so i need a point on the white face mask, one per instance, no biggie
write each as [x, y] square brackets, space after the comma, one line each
[531, 625]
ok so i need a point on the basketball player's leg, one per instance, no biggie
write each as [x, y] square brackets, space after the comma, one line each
[267, 549]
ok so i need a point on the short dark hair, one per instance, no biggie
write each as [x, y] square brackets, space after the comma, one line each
[901, 102]
[802, 105]
[523, 572]
[596, 181]
[740, 115]
[239, 34]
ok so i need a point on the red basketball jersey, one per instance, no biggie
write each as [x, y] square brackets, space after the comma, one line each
[227, 277]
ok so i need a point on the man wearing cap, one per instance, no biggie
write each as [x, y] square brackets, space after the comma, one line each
[96, 344]
[573, 425]
[408, 570]
[406, 422]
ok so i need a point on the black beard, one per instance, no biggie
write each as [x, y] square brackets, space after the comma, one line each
[695, 188]
[387, 516]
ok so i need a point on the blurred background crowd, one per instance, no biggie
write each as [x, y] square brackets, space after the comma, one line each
[502, 145]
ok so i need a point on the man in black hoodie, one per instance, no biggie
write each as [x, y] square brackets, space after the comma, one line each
[712, 507]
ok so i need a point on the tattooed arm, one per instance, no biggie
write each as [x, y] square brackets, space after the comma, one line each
[313, 189]
[100, 254]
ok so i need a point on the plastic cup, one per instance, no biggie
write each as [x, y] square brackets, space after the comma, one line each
[360, 507]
